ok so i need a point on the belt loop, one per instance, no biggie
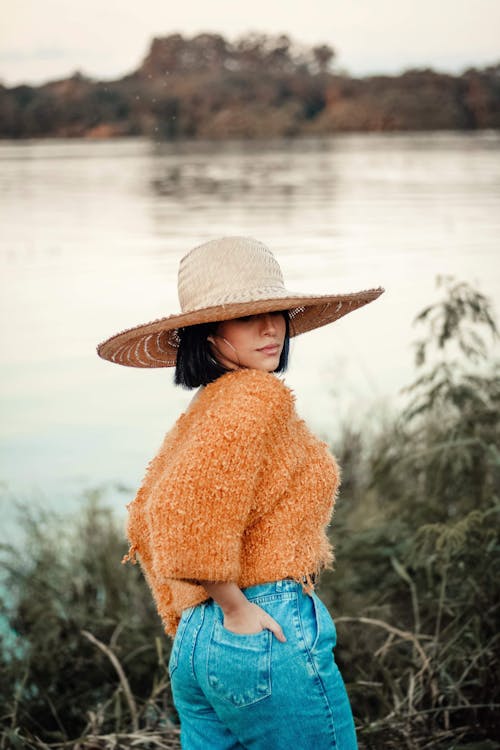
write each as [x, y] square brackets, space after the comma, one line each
[279, 585]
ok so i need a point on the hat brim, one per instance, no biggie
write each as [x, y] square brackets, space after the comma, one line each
[155, 344]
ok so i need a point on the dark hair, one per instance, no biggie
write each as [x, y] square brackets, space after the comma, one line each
[196, 364]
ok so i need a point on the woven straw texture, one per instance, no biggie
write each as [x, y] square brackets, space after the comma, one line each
[223, 279]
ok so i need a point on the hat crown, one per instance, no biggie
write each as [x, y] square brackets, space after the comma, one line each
[228, 270]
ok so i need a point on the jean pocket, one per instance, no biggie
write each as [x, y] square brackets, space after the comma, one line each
[318, 624]
[178, 638]
[239, 665]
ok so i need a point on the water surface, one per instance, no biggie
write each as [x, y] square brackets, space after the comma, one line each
[92, 233]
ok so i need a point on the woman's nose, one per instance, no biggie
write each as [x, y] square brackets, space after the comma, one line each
[268, 323]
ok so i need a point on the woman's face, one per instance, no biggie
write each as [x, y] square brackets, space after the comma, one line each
[255, 341]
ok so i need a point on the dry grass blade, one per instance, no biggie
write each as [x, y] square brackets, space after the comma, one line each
[165, 740]
[121, 674]
[406, 635]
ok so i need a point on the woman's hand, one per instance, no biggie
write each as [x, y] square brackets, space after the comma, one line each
[241, 615]
[250, 618]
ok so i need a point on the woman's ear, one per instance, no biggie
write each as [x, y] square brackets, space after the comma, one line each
[211, 339]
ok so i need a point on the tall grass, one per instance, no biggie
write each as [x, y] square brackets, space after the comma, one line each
[86, 653]
[417, 589]
[415, 595]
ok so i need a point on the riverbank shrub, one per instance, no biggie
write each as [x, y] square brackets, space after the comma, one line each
[84, 652]
[416, 593]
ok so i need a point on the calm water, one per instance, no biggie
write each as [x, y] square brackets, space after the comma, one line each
[92, 233]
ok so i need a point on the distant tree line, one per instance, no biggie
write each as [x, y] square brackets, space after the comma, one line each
[258, 86]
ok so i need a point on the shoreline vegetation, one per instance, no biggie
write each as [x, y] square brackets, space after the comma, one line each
[259, 86]
[415, 594]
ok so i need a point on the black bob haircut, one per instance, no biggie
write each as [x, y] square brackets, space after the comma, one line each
[196, 364]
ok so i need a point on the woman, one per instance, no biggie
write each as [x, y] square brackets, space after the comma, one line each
[229, 522]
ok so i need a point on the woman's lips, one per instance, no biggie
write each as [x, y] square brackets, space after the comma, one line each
[271, 349]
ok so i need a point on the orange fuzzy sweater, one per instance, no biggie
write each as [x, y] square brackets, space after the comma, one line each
[240, 490]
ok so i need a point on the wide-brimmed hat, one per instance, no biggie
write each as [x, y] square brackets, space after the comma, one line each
[223, 279]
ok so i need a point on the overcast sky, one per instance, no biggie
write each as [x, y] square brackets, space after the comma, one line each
[46, 39]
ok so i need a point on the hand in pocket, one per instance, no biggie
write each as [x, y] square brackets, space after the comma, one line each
[250, 618]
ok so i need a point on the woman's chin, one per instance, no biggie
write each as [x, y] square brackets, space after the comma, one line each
[269, 364]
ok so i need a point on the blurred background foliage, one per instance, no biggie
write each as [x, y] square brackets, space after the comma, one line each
[415, 594]
[258, 86]
[417, 536]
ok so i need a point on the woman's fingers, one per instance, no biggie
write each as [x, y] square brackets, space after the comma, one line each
[251, 619]
[277, 630]
[270, 623]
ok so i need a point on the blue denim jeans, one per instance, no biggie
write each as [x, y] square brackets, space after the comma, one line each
[236, 691]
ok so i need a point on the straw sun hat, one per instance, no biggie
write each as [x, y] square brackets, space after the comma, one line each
[223, 279]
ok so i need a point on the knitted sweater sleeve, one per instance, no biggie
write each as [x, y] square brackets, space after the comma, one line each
[197, 519]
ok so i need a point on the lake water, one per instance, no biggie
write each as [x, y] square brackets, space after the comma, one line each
[91, 236]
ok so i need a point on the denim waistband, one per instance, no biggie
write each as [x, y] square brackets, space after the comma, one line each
[260, 589]
[284, 584]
